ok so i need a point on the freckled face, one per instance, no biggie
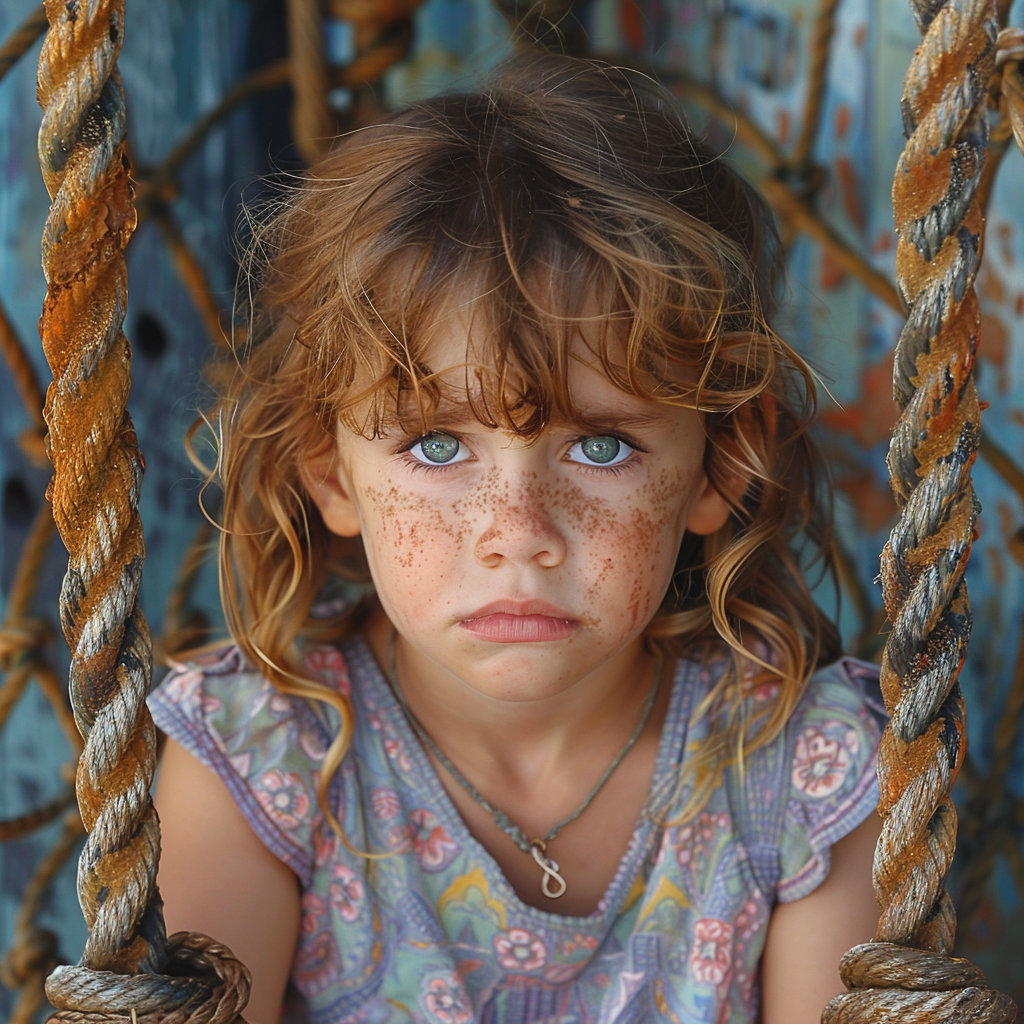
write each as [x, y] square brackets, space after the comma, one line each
[523, 568]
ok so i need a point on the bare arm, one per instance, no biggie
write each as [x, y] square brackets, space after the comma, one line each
[216, 877]
[806, 938]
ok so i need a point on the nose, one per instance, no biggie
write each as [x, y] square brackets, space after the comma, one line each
[520, 529]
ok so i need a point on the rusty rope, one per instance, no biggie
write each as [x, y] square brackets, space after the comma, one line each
[97, 473]
[814, 99]
[23, 373]
[907, 973]
[1010, 62]
[190, 273]
[21, 39]
[313, 123]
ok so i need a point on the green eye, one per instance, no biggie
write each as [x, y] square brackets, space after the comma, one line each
[601, 450]
[437, 448]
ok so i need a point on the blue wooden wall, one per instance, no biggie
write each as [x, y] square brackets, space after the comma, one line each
[180, 56]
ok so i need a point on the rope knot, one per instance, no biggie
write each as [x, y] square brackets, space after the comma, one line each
[204, 984]
[918, 987]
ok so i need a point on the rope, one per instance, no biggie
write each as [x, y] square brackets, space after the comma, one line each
[97, 473]
[23, 373]
[34, 951]
[1009, 61]
[21, 39]
[313, 124]
[814, 98]
[934, 444]
[190, 273]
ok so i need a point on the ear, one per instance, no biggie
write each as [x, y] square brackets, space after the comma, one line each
[715, 501]
[326, 485]
[709, 510]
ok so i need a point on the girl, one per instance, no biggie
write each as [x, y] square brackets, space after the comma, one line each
[526, 718]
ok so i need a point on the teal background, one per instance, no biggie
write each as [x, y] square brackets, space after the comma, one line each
[179, 58]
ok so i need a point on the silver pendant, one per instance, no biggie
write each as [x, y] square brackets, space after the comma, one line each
[552, 884]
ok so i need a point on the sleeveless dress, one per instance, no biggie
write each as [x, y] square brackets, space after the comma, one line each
[435, 934]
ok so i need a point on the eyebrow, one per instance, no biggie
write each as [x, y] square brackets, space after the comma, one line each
[453, 412]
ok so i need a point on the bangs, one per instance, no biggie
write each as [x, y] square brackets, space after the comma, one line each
[540, 264]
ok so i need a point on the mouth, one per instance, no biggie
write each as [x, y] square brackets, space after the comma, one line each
[519, 622]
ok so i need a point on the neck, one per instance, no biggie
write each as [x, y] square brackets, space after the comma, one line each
[519, 741]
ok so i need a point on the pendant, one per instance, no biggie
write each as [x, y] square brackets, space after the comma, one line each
[552, 884]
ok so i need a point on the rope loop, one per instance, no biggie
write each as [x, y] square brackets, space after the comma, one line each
[204, 983]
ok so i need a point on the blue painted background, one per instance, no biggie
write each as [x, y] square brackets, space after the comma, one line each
[179, 58]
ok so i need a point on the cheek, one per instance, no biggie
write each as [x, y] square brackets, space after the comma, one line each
[408, 536]
[629, 548]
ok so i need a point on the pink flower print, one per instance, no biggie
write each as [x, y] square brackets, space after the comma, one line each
[282, 795]
[313, 744]
[432, 842]
[399, 836]
[346, 892]
[820, 764]
[765, 692]
[313, 910]
[317, 963]
[326, 663]
[586, 942]
[280, 704]
[395, 749]
[325, 844]
[445, 1001]
[749, 919]
[519, 950]
[211, 705]
[711, 954]
[187, 688]
[384, 803]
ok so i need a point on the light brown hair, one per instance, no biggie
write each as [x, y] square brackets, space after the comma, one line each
[559, 182]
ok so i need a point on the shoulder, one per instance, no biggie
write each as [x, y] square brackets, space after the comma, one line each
[830, 757]
[266, 746]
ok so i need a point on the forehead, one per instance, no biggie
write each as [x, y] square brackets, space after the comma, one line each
[459, 357]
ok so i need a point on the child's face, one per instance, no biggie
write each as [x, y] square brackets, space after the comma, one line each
[522, 568]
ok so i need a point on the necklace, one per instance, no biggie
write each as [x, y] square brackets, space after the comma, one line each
[552, 884]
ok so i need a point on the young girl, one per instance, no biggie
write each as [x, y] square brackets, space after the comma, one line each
[526, 720]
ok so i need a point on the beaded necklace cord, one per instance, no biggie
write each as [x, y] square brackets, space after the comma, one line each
[552, 883]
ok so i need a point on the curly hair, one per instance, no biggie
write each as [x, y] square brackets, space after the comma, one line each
[560, 183]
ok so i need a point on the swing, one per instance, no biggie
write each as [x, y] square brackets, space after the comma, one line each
[130, 971]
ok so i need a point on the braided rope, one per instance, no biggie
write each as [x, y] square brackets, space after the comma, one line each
[97, 473]
[939, 222]
[313, 124]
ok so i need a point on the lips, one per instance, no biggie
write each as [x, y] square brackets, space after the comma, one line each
[529, 607]
[519, 622]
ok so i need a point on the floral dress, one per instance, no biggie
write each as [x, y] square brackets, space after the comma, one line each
[434, 933]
